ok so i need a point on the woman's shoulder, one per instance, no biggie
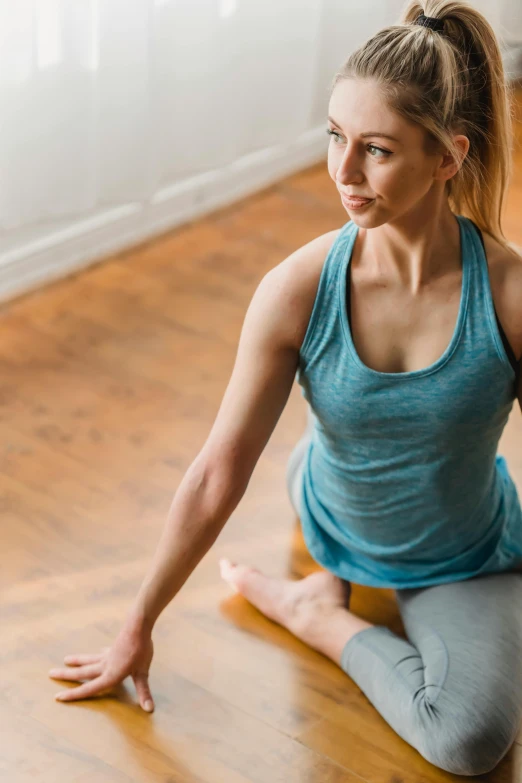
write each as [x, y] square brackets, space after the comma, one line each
[299, 275]
[505, 274]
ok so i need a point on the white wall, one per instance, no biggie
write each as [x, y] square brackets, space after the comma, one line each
[124, 118]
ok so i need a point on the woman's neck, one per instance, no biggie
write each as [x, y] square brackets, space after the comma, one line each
[414, 249]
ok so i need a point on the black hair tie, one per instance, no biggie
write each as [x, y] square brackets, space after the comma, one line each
[432, 22]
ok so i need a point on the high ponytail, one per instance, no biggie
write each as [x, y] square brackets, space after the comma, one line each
[449, 82]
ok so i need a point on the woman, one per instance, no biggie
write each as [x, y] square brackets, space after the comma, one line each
[404, 329]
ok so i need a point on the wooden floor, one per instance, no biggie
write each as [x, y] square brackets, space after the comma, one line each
[110, 383]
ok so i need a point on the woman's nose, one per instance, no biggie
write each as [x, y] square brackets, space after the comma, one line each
[349, 168]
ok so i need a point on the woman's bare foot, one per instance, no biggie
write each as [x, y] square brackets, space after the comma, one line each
[314, 609]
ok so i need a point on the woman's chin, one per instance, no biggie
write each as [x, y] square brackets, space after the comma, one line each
[366, 221]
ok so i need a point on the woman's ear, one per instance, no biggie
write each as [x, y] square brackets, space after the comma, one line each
[450, 164]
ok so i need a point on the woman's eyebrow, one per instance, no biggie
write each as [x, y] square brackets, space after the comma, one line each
[370, 133]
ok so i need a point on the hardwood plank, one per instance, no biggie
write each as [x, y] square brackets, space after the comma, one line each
[31, 752]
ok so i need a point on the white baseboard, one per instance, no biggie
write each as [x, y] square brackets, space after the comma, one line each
[85, 242]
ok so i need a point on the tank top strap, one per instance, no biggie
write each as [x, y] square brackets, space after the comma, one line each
[483, 284]
[323, 320]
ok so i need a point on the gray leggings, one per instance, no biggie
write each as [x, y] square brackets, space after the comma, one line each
[453, 690]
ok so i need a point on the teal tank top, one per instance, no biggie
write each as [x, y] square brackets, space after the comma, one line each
[402, 485]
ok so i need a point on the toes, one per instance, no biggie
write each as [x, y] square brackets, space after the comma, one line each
[228, 572]
[263, 592]
[237, 576]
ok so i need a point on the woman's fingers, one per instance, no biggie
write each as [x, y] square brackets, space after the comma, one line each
[141, 681]
[92, 688]
[81, 660]
[77, 673]
[131, 654]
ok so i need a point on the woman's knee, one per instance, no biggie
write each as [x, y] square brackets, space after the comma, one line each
[472, 749]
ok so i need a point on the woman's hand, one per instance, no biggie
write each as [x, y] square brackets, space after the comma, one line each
[131, 654]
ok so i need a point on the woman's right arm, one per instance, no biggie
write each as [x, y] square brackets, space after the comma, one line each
[213, 486]
[266, 362]
[215, 482]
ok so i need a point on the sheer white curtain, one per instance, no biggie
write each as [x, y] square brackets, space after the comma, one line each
[105, 101]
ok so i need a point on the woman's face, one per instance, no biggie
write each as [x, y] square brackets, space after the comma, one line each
[395, 173]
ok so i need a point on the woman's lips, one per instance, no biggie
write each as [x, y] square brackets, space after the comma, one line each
[355, 203]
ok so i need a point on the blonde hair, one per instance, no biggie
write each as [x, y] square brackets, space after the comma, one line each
[449, 82]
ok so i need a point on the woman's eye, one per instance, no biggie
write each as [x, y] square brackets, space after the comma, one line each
[373, 147]
[333, 133]
[385, 153]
